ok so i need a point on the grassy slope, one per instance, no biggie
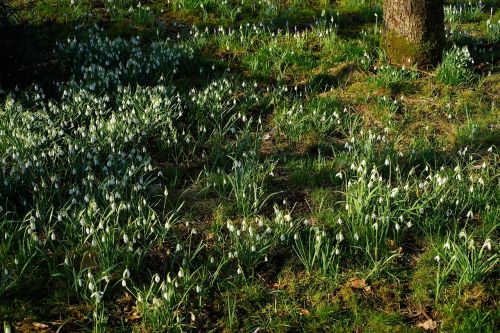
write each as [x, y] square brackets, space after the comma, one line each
[418, 112]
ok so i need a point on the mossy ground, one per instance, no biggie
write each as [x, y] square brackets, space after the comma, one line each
[433, 118]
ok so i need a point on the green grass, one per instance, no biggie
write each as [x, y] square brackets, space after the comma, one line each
[173, 166]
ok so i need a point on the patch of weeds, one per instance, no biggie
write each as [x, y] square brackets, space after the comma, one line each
[396, 79]
[242, 305]
[470, 260]
[337, 50]
[466, 320]
[322, 117]
[316, 250]
[421, 284]
[493, 31]
[386, 321]
[478, 135]
[463, 12]
[324, 205]
[455, 68]
[362, 10]
[132, 12]
[63, 11]
[285, 55]
[313, 172]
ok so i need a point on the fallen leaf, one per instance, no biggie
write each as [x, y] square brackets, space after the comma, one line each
[304, 312]
[428, 325]
[358, 283]
[134, 315]
[40, 326]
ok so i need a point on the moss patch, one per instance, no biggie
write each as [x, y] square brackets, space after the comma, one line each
[401, 51]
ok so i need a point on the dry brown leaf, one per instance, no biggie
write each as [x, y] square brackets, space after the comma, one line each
[40, 326]
[358, 283]
[428, 325]
[134, 315]
[392, 244]
[304, 312]
[126, 297]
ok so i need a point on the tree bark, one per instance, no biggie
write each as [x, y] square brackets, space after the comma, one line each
[413, 32]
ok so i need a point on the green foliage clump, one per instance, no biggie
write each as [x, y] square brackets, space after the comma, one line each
[455, 68]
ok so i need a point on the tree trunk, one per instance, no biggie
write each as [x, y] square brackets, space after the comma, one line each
[413, 32]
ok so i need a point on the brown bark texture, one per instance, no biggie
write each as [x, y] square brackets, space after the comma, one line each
[413, 31]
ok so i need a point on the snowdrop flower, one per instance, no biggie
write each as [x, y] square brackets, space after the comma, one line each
[97, 295]
[437, 258]
[487, 244]
[157, 278]
[446, 245]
